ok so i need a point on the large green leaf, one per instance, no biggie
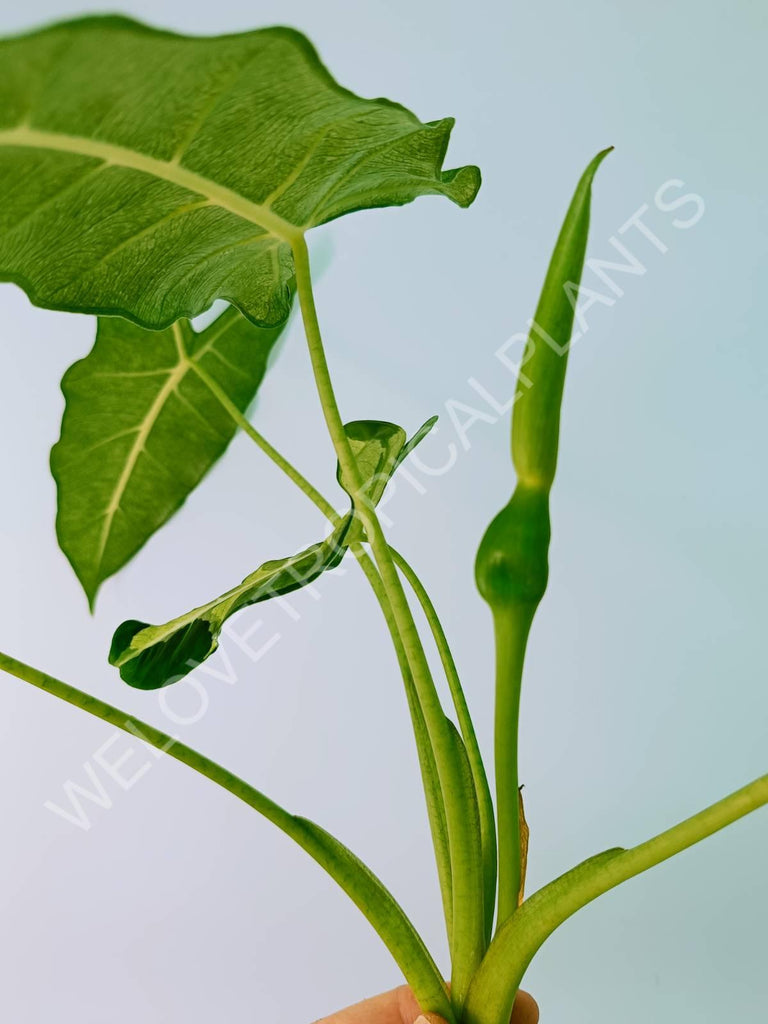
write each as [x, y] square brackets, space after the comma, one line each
[150, 657]
[141, 429]
[146, 173]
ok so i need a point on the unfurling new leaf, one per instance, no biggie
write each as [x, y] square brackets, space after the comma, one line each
[153, 656]
[150, 657]
[379, 448]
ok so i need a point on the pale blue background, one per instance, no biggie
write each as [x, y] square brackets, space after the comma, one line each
[645, 695]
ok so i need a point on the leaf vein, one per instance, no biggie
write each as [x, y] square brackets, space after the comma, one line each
[356, 165]
[52, 200]
[85, 452]
[25, 137]
[142, 434]
[132, 239]
[231, 366]
[196, 412]
[208, 110]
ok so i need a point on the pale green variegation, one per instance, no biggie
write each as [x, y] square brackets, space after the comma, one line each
[141, 427]
[150, 657]
[379, 448]
[146, 173]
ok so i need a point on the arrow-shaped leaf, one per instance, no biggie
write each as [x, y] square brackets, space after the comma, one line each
[150, 657]
[141, 429]
[146, 174]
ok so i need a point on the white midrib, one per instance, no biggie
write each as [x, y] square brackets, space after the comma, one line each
[138, 447]
[120, 156]
[175, 377]
[151, 635]
[170, 387]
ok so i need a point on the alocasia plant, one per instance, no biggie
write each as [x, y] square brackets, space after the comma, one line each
[145, 174]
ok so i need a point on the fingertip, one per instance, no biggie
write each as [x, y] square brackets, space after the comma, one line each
[526, 1009]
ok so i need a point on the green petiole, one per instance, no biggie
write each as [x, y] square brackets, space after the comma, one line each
[357, 881]
[495, 985]
[480, 779]
[430, 778]
[468, 924]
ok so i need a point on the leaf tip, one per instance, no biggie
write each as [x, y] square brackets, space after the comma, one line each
[597, 160]
[462, 184]
[122, 638]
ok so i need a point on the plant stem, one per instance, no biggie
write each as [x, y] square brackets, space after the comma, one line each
[367, 892]
[511, 626]
[466, 859]
[512, 561]
[425, 747]
[480, 779]
[430, 779]
[242, 421]
[429, 774]
[494, 988]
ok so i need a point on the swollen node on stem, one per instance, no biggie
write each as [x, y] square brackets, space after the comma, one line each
[512, 566]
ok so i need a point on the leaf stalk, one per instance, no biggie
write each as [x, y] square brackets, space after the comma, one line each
[468, 936]
[359, 883]
[493, 990]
